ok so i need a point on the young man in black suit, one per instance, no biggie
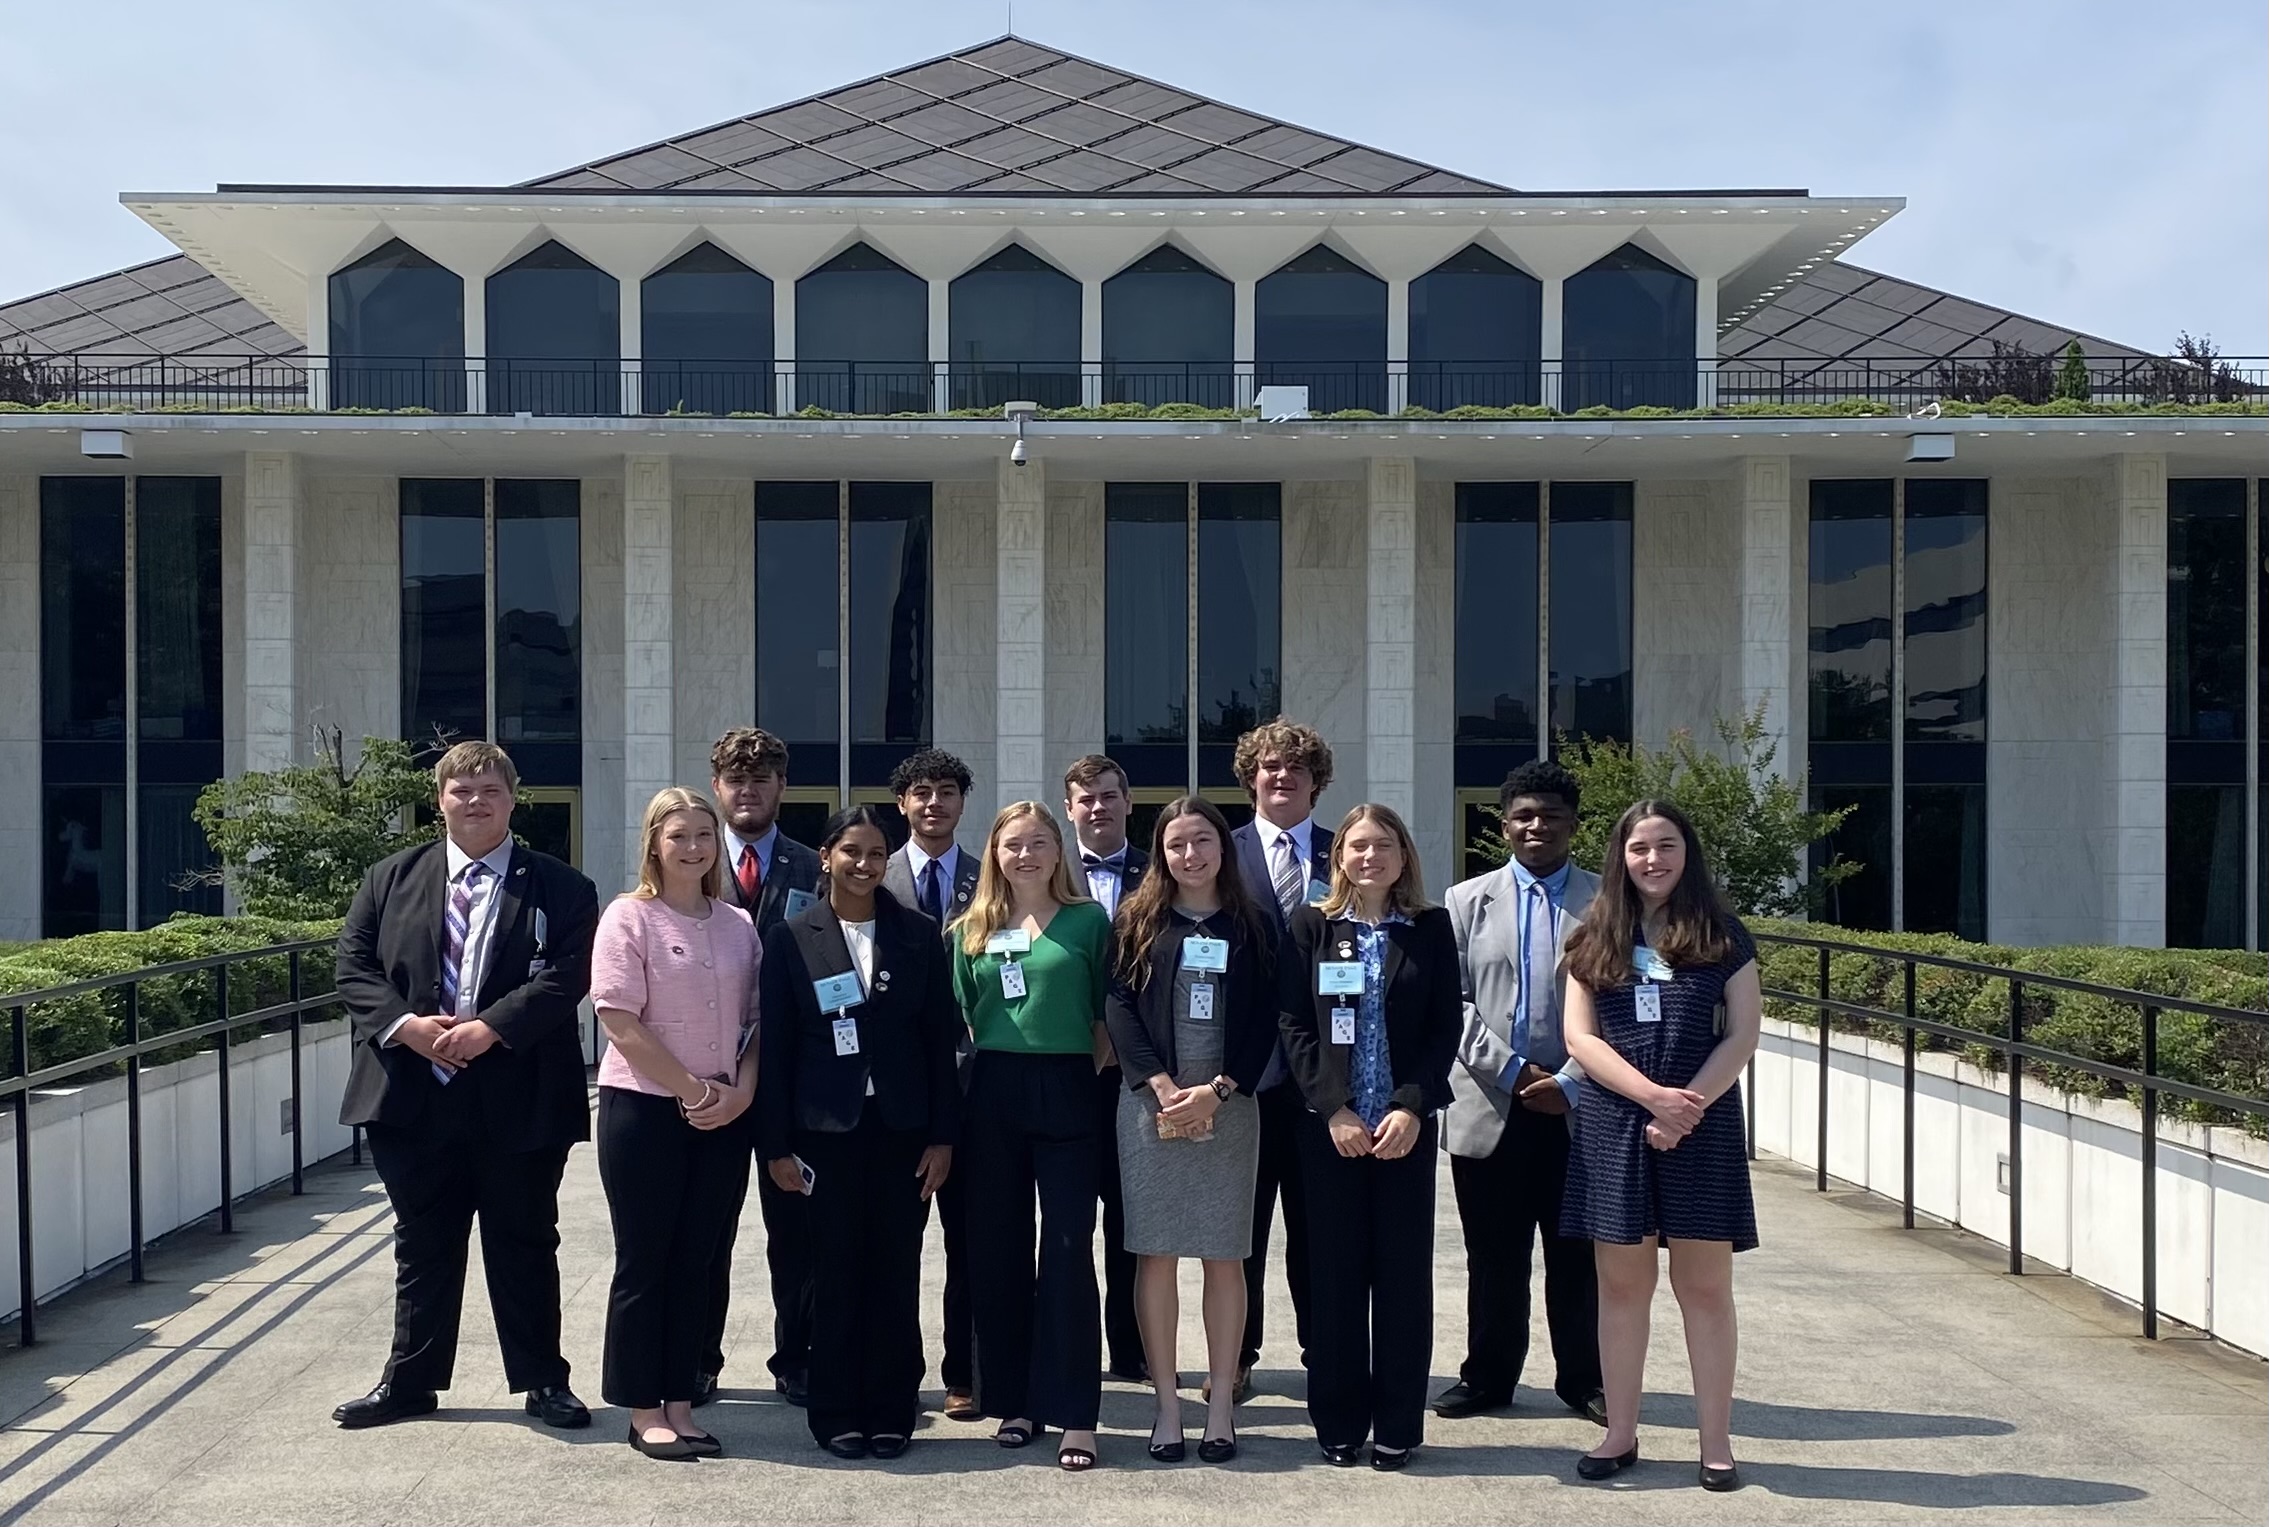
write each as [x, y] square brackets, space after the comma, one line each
[1095, 800]
[462, 964]
[931, 874]
[772, 877]
[1286, 858]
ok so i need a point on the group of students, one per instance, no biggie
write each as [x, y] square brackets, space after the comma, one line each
[1187, 1036]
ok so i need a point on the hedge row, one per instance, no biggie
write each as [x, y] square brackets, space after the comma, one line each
[2230, 1055]
[91, 1022]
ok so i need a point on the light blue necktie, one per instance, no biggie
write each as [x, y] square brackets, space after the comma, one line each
[1539, 956]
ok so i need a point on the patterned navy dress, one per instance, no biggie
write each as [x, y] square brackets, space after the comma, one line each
[1621, 1189]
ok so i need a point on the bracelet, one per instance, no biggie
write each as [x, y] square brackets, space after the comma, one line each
[1222, 1087]
[708, 1096]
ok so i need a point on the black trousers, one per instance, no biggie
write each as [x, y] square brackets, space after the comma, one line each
[439, 1181]
[670, 1193]
[1122, 1333]
[1283, 1115]
[1031, 1126]
[787, 1257]
[1371, 1287]
[1504, 1200]
[866, 1244]
[957, 1368]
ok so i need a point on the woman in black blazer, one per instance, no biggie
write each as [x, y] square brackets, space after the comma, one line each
[1368, 985]
[1192, 1013]
[857, 1106]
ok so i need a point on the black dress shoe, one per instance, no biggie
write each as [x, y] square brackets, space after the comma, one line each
[703, 1445]
[1168, 1452]
[1588, 1467]
[1721, 1480]
[850, 1445]
[1134, 1371]
[704, 1389]
[886, 1445]
[676, 1450]
[1592, 1407]
[556, 1405]
[383, 1404]
[1388, 1459]
[794, 1388]
[1462, 1399]
[1217, 1449]
[1342, 1455]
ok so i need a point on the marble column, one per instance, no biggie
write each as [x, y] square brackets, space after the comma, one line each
[1765, 669]
[648, 642]
[1020, 757]
[2135, 729]
[271, 583]
[1390, 633]
[20, 816]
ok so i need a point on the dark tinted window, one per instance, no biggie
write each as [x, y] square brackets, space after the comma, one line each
[177, 538]
[1146, 645]
[539, 614]
[1476, 330]
[1320, 322]
[1864, 839]
[554, 336]
[1240, 593]
[1168, 328]
[1945, 617]
[1496, 617]
[82, 554]
[1627, 334]
[890, 618]
[2206, 592]
[863, 336]
[397, 332]
[797, 665]
[83, 884]
[1850, 610]
[705, 336]
[444, 611]
[2206, 866]
[1591, 610]
[1014, 327]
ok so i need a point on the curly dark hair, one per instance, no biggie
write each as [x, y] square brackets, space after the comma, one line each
[1540, 776]
[1289, 740]
[930, 764]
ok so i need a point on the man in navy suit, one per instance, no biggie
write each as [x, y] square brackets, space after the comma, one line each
[1286, 858]
[1095, 800]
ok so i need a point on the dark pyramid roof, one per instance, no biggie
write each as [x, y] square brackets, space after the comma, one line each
[1841, 311]
[172, 306]
[1011, 117]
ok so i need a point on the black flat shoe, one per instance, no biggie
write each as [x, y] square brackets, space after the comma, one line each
[886, 1445]
[851, 1445]
[1342, 1455]
[556, 1405]
[703, 1445]
[1588, 1467]
[794, 1389]
[1462, 1399]
[1721, 1480]
[1388, 1459]
[1217, 1449]
[1018, 1436]
[1169, 1452]
[676, 1450]
[384, 1404]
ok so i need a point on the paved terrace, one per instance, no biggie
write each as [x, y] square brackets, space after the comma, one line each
[1886, 1376]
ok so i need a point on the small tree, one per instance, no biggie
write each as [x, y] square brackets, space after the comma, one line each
[2072, 384]
[295, 843]
[1752, 822]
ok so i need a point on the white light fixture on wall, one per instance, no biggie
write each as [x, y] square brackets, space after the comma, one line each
[106, 444]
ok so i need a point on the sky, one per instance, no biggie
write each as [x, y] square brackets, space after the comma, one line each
[2098, 164]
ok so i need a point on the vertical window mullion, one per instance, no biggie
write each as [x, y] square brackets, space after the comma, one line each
[1898, 704]
[842, 636]
[488, 605]
[1190, 640]
[1544, 620]
[133, 717]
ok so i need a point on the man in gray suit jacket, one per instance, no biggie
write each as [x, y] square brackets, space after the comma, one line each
[1512, 1088]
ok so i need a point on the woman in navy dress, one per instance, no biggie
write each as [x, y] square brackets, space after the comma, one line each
[1662, 1012]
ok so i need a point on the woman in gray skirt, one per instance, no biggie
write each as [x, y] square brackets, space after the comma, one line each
[1192, 1013]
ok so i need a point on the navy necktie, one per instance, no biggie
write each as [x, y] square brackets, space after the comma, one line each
[932, 892]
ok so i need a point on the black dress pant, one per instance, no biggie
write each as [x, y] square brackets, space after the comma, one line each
[1282, 1117]
[1122, 1333]
[1031, 1126]
[866, 1243]
[439, 1180]
[1504, 1199]
[957, 1367]
[787, 1258]
[670, 1193]
[1371, 1287]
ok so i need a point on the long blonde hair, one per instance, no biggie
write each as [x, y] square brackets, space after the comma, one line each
[990, 908]
[1407, 895]
[659, 810]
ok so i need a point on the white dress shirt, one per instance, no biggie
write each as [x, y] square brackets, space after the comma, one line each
[1302, 834]
[949, 865]
[1107, 880]
[764, 847]
[480, 925]
[859, 938]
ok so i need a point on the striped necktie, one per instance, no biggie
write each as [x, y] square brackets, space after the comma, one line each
[459, 923]
[1291, 885]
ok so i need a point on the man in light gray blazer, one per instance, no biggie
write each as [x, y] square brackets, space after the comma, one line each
[1512, 1087]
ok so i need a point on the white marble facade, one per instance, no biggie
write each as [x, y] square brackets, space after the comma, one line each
[1325, 605]
[965, 570]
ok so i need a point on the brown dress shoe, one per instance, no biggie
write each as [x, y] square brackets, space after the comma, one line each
[961, 1405]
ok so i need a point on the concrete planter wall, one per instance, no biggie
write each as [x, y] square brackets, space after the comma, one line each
[2082, 1172]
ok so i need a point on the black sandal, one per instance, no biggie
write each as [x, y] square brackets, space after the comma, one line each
[1078, 1460]
[1011, 1435]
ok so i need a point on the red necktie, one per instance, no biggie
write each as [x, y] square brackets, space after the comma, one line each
[751, 877]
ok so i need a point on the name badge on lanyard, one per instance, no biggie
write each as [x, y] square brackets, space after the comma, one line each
[1646, 998]
[1205, 954]
[1339, 978]
[836, 993]
[846, 1036]
[1343, 1025]
[1012, 980]
[1201, 1002]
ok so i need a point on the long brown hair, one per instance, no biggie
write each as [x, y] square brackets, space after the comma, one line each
[990, 907]
[1407, 895]
[1696, 923]
[1143, 916]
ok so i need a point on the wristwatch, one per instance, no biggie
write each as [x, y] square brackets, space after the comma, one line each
[1222, 1087]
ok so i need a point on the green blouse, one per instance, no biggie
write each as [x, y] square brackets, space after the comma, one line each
[1064, 974]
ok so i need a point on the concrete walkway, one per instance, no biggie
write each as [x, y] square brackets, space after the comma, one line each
[1886, 1377]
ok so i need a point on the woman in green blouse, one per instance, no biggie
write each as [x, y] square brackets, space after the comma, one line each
[1028, 969]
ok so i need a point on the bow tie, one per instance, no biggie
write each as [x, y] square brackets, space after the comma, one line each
[1117, 862]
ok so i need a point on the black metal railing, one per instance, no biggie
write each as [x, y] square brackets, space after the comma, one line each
[2146, 1086]
[23, 1080]
[608, 387]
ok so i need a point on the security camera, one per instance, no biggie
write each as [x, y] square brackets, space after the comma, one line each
[1016, 454]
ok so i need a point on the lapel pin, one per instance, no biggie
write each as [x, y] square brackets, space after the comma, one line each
[1346, 950]
[882, 978]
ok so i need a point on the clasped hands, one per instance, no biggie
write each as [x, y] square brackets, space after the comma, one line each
[1391, 1141]
[1677, 1111]
[446, 1041]
[1189, 1110]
